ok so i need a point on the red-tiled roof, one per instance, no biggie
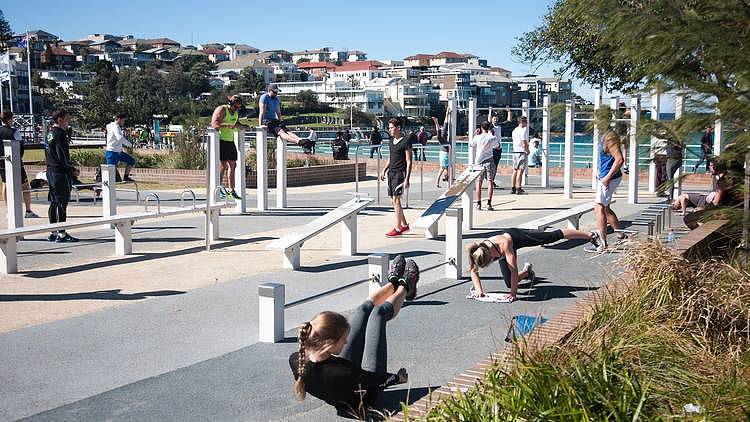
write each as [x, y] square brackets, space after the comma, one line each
[316, 65]
[449, 55]
[420, 57]
[361, 65]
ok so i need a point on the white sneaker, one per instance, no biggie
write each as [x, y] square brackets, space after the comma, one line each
[596, 249]
[527, 266]
[30, 214]
[596, 238]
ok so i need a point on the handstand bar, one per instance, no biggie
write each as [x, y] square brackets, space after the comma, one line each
[328, 292]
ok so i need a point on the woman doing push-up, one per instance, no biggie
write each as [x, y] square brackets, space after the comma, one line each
[503, 247]
[346, 365]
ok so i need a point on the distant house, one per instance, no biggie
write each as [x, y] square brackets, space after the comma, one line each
[239, 50]
[215, 55]
[75, 47]
[279, 56]
[58, 59]
[162, 54]
[145, 44]
[320, 55]
[362, 71]
[106, 46]
[105, 37]
[211, 46]
[352, 56]
[240, 63]
[442, 58]
[67, 79]
[317, 70]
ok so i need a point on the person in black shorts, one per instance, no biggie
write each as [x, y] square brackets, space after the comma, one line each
[346, 366]
[398, 171]
[8, 132]
[60, 173]
[503, 247]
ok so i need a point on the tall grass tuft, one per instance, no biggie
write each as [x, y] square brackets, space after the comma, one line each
[680, 335]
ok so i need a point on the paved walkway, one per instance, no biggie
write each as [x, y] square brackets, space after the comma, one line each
[171, 332]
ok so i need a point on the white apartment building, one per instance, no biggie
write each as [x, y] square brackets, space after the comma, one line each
[337, 94]
[239, 50]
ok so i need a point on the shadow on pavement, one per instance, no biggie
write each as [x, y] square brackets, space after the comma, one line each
[138, 258]
[390, 401]
[542, 293]
[98, 295]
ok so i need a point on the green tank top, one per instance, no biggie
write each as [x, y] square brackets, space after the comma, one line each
[225, 133]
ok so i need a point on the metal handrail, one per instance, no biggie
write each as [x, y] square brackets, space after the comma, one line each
[152, 195]
[327, 292]
[182, 196]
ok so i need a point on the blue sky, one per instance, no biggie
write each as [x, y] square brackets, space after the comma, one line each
[384, 29]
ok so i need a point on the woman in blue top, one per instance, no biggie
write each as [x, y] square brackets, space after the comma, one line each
[609, 178]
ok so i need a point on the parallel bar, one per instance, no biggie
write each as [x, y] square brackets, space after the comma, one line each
[327, 292]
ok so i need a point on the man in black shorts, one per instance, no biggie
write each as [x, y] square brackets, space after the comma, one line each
[398, 171]
[269, 112]
[8, 132]
[225, 119]
[503, 247]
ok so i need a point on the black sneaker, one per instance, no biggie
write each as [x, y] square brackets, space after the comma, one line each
[512, 191]
[520, 191]
[479, 205]
[396, 270]
[411, 277]
[52, 237]
[66, 239]
[128, 179]
[490, 207]
[233, 194]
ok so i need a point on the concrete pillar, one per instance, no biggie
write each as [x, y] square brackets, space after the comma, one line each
[123, 238]
[240, 176]
[595, 145]
[454, 246]
[655, 142]
[679, 111]
[214, 182]
[718, 134]
[377, 266]
[349, 235]
[545, 140]
[12, 153]
[280, 173]
[271, 312]
[109, 192]
[467, 203]
[261, 168]
[472, 151]
[568, 160]
[635, 115]
[453, 104]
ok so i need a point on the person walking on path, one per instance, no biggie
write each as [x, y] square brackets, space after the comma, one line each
[375, 140]
[269, 110]
[226, 119]
[113, 153]
[707, 147]
[497, 153]
[398, 171]
[445, 147]
[8, 132]
[346, 365]
[520, 155]
[674, 152]
[60, 173]
[485, 144]
[504, 249]
[609, 178]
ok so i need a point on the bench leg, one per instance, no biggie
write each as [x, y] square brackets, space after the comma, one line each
[467, 203]
[349, 235]
[573, 221]
[8, 256]
[291, 257]
[270, 312]
[123, 238]
[213, 224]
[454, 243]
[431, 232]
[377, 266]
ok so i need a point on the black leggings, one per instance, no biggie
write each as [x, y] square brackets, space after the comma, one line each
[523, 238]
[366, 345]
[60, 184]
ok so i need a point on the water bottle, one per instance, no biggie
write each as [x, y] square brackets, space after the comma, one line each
[671, 240]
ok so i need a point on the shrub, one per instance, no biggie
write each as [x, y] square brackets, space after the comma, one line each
[87, 157]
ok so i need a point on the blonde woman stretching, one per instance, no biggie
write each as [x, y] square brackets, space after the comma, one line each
[344, 365]
[503, 247]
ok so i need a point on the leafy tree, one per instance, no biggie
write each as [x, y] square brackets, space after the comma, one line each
[198, 76]
[308, 100]
[5, 32]
[143, 93]
[248, 81]
[177, 84]
[100, 97]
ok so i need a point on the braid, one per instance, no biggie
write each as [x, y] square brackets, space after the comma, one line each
[299, 385]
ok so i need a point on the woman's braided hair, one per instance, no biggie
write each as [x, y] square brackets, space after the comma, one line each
[319, 334]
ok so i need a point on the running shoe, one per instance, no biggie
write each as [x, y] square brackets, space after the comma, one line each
[479, 206]
[66, 239]
[411, 277]
[512, 191]
[233, 194]
[396, 269]
[30, 214]
[490, 207]
[393, 233]
[596, 249]
[52, 237]
[527, 266]
[404, 229]
[520, 191]
[596, 238]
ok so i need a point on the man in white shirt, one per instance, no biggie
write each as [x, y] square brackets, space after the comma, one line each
[520, 155]
[115, 140]
[485, 143]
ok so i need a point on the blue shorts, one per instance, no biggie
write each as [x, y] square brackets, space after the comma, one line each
[111, 157]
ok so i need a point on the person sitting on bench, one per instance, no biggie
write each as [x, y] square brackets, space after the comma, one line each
[345, 365]
[503, 247]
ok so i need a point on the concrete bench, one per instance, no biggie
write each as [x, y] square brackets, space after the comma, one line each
[292, 243]
[572, 215]
[462, 187]
[122, 224]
